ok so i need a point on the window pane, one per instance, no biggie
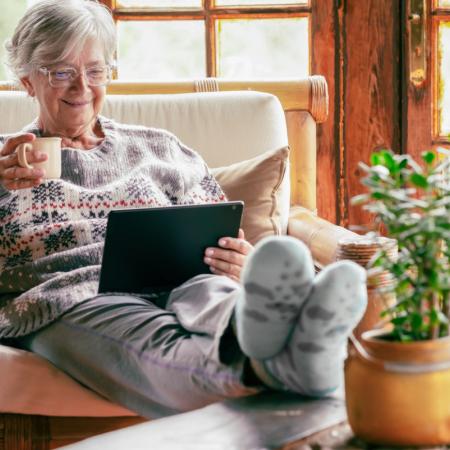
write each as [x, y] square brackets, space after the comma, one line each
[263, 48]
[261, 2]
[444, 3]
[159, 3]
[444, 82]
[12, 11]
[161, 49]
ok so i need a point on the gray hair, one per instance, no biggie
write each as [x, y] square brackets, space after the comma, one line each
[51, 31]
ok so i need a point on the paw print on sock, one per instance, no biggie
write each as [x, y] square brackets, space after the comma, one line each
[256, 315]
[277, 279]
[316, 312]
[282, 298]
[287, 311]
[336, 331]
[257, 289]
[310, 347]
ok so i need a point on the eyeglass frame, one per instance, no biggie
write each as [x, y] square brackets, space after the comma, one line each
[48, 73]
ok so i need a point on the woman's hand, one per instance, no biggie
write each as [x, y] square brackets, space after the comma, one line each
[13, 176]
[229, 258]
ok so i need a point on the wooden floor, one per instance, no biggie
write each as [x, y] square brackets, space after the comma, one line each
[26, 432]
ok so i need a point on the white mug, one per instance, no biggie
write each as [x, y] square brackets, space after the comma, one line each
[51, 146]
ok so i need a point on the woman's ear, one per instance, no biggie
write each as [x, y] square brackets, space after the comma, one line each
[28, 85]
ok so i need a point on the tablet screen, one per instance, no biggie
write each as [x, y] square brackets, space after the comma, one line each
[154, 249]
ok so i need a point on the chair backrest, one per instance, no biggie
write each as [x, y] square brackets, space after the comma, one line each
[224, 127]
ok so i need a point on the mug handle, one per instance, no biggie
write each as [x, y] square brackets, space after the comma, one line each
[22, 155]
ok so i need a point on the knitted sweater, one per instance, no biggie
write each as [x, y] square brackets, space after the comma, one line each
[51, 236]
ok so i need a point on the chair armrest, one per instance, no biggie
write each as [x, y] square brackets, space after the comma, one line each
[318, 234]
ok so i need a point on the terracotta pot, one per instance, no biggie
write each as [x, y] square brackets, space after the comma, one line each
[399, 393]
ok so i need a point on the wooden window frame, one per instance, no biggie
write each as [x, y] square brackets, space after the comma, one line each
[325, 40]
[210, 14]
[437, 15]
[421, 127]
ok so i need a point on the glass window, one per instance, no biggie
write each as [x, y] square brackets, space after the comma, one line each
[261, 2]
[12, 11]
[161, 49]
[444, 81]
[444, 3]
[159, 3]
[263, 48]
[212, 38]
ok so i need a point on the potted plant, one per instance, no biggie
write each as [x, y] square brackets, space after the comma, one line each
[398, 378]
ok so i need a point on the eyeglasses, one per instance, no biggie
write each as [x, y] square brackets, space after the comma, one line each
[65, 76]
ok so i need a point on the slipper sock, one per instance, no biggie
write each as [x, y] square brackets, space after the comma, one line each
[277, 278]
[312, 362]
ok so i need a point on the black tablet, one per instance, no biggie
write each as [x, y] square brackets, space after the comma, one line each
[157, 249]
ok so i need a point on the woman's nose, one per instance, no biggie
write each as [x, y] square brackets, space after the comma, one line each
[80, 81]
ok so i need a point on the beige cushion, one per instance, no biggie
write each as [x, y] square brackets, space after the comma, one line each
[258, 182]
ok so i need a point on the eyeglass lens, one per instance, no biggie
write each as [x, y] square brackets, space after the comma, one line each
[95, 76]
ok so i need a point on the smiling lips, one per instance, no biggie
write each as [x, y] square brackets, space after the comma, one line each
[77, 104]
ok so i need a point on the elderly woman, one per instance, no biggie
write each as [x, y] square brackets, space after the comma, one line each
[256, 322]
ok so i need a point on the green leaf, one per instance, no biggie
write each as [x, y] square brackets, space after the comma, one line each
[389, 161]
[434, 317]
[375, 159]
[418, 180]
[416, 321]
[399, 320]
[428, 157]
[433, 279]
[403, 163]
[380, 195]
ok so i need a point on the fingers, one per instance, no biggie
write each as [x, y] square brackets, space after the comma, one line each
[229, 259]
[224, 267]
[17, 172]
[238, 244]
[229, 275]
[12, 175]
[12, 160]
[12, 142]
[22, 184]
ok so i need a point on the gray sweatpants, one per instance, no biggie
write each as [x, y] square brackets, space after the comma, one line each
[155, 360]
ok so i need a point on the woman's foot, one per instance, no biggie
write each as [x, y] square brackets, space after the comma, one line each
[312, 361]
[277, 279]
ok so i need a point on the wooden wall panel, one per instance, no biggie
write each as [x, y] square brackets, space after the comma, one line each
[418, 126]
[323, 32]
[372, 108]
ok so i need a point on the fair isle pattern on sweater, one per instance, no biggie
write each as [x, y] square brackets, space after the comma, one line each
[51, 236]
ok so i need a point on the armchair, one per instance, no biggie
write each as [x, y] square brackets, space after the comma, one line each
[243, 135]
